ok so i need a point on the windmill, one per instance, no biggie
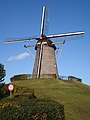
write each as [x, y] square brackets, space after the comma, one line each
[45, 65]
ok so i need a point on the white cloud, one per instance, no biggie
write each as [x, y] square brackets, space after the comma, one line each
[19, 57]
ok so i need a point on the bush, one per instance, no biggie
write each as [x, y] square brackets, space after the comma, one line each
[3, 91]
[2, 73]
[34, 109]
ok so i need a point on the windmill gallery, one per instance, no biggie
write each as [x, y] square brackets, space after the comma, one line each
[45, 65]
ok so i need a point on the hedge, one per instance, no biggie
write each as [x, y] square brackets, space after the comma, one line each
[34, 109]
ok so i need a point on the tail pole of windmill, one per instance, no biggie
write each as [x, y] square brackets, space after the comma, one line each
[45, 65]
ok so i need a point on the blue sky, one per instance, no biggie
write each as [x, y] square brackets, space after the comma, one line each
[22, 18]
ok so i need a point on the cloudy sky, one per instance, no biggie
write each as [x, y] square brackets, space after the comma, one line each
[22, 18]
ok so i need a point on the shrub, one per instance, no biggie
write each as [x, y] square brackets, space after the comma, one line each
[3, 91]
[34, 109]
[2, 73]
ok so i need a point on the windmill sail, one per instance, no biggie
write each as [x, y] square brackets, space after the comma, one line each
[43, 21]
[58, 38]
[11, 40]
[65, 34]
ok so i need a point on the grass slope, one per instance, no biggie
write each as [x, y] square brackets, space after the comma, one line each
[74, 95]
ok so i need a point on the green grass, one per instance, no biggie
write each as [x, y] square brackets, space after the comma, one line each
[74, 95]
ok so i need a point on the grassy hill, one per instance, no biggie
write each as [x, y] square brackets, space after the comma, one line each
[74, 95]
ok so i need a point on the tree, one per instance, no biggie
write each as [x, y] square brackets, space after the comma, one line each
[2, 73]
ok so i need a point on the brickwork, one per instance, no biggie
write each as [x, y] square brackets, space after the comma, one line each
[48, 63]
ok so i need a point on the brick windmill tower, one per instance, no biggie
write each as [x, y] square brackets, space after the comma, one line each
[45, 65]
